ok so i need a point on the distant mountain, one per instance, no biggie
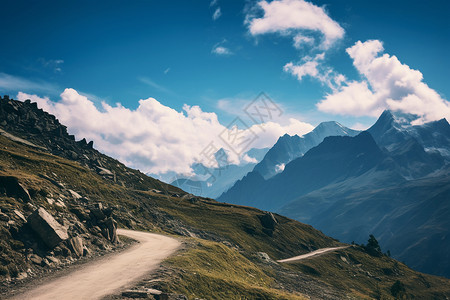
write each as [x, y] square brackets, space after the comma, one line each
[393, 128]
[392, 181]
[212, 182]
[288, 148]
[335, 159]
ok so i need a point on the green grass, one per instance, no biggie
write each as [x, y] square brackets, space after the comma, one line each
[363, 274]
[214, 271]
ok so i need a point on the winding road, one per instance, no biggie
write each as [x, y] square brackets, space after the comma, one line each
[311, 254]
[109, 274]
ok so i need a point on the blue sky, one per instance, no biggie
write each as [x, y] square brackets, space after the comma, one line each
[124, 51]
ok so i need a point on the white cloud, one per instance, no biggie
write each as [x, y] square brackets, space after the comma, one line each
[213, 3]
[302, 21]
[217, 13]
[155, 138]
[221, 50]
[313, 67]
[386, 84]
[15, 83]
[301, 40]
[300, 71]
[290, 17]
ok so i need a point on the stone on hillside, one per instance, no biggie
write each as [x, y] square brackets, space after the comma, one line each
[268, 220]
[20, 215]
[48, 229]
[13, 188]
[98, 213]
[36, 259]
[104, 172]
[110, 230]
[74, 194]
[4, 217]
[76, 244]
[136, 294]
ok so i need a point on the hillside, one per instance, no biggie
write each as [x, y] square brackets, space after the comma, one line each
[229, 250]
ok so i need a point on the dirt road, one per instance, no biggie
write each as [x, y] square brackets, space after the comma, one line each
[110, 274]
[310, 254]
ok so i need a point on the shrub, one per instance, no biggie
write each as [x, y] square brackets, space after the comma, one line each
[372, 247]
[398, 289]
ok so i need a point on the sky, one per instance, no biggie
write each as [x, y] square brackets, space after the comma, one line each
[161, 84]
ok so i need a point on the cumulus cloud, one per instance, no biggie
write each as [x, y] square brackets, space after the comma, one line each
[386, 84]
[311, 30]
[313, 67]
[300, 41]
[155, 138]
[291, 17]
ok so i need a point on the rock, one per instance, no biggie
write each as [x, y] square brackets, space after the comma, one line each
[86, 251]
[75, 195]
[76, 244]
[136, 294]
[48, 229]
[157, 191]
[110, 230]
[81, 213]
[13, 188]
[263, 256]
[98, 214]
[53, 260]
[20, 215]
[104, 172]
[268, 220]
[36, 259]
[4, 217]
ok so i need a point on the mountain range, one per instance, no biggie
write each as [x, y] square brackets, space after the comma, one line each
[62, 201]
[391, 181]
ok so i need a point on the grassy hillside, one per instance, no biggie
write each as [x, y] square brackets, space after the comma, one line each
[222, 257]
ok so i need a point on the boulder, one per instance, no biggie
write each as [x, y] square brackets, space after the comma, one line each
[47, 228]
[109, 230]
[76, 244]
[98, 214]
[268, 221]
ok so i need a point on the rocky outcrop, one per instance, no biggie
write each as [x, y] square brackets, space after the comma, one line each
[49, 230]
[76, 245]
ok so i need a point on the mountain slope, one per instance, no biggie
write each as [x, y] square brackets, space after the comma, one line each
[409, 218]
[335, 159]
[288, 148]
